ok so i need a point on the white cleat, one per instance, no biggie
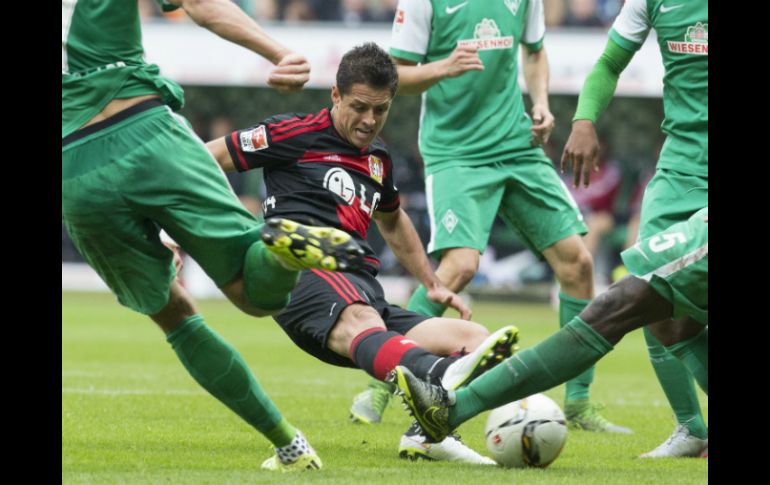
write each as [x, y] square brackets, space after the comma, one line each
[680, 444]
[497, 347]
[415, 447]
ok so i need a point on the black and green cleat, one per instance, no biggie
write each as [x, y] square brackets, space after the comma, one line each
[428, 403]
[300, 247]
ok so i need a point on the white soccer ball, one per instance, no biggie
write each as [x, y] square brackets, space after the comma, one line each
[526, 433]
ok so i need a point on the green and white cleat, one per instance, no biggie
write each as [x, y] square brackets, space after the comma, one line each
[585, 415]
[296, 456]
[369, 405]
[299, 247]
[493, 350]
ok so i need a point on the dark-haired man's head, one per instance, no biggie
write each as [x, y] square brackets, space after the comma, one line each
[367, 81]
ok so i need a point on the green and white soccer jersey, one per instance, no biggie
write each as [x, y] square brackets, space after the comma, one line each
[478, 117]
[682, 33]
[103, 59]
[675, 263]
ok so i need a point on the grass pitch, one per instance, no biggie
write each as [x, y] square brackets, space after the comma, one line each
[131, 413]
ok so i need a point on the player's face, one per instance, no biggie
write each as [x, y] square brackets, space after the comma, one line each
[360, 114]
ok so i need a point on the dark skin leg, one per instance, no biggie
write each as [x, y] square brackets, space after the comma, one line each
[627, 305]
[669, 332]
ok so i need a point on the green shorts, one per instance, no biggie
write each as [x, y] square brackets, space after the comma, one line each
[128, 179]
[676, 264]
[671, 197]
[527, 193]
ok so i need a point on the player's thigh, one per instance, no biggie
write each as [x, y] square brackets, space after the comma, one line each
[444, 336]
[670, 197]
[121, 244]
[537, 205]
[675, 263]
[315, 306]
[462, 203]
[179, 185]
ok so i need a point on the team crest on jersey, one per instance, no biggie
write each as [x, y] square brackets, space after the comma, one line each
[398, 22]
[486, 36]
[375, 168]
[513, 5]
[254, 140]
[449, 221]
[696, 41]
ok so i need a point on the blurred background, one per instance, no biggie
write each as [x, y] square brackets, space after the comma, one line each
[225, 89]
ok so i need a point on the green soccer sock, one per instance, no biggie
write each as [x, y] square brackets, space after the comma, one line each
[677, 384]
[267, 284]
[220, 369]
[561, 356]
[577, 388]
[420, 303]
[694, 354]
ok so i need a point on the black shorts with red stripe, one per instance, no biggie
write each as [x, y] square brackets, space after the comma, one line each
[319, 298]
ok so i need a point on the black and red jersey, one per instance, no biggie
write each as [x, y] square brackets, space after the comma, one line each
[316, 177]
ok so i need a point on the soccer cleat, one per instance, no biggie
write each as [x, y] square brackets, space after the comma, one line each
[585, 415]
[299, 247]
[415, 446]
[428, 403]
[493, 350]
[296, 456]
[369, 405]
[680, 444]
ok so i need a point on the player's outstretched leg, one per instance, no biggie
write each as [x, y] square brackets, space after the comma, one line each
[296, 456]
[301, 247]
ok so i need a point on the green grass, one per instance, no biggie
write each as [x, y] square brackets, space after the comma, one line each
[131, 413]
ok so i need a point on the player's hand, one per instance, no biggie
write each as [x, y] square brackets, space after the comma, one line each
[178, 262]
[441, 294]
[290, 73]
[462, 59]
[542, 124]
[581, 153]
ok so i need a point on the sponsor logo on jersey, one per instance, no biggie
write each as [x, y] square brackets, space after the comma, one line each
[341, 183]
[398, 22]
[254, 140]
[696, 41]
[486, 36]
[375, 168]
[513, 5]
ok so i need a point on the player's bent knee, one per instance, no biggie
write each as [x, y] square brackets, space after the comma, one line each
[180, 306]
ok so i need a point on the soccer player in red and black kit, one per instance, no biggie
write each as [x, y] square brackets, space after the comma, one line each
[330, 168]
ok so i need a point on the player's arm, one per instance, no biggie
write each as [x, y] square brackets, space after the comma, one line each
[221, 154]
[536, 74]
[228, 21]
[402, 238]
[414, 78]
[581, 153]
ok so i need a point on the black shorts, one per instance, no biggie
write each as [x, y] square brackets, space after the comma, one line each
[319, 298]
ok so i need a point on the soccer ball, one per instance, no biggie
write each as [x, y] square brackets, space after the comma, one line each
[526, 433]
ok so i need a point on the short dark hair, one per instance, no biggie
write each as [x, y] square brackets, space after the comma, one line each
[367, 64]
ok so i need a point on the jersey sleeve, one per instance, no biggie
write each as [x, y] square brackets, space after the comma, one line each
[631, 26]
[267, 144]
[534, 29]
[390, 200]
[411, 30]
